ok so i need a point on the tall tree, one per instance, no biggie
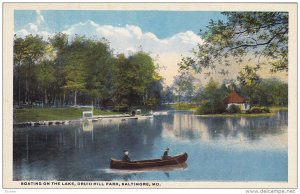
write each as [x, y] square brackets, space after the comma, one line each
[184, 86]
[45, 75]
[75, 69]
[134, 75]
[243, 35]
[212, 100]
[249, 80]
[28, 52]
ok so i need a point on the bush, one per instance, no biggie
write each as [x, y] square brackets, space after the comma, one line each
[208, 108]
[256, 109]
[234, 109]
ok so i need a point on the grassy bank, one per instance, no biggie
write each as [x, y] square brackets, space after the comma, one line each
[273, 109]
[278, 108]
[238, 115]
[47, 114]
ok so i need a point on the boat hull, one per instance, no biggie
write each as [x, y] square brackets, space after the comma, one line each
[118, 164]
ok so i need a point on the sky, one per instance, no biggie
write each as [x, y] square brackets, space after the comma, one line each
[167, 35]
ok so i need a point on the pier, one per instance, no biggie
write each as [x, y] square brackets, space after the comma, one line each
[95, 118]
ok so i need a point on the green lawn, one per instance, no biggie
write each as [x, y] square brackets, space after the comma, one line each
[277, 108]
[47, 114]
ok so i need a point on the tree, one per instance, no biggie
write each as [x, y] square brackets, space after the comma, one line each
[45, 75]
[184, 86]
[249, 80]
[168, 95]
[242, 36]
[271, 92]
[154, 94]
[101, 71]
[28, 52]
[134, 76]
[75, 67]
[212, 99]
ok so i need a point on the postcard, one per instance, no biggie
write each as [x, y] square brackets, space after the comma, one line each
[150, 95]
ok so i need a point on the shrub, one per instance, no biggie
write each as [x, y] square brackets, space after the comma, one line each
[265, 110]
[208, 108]
[256, 109]
[234, 109]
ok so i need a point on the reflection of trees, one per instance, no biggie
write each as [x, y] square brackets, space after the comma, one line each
[80, 149]
[187, 126]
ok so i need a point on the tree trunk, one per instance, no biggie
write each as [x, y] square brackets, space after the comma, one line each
[26, 88]
[75, 98]
[64, 98]
[46, 100]
[19, 86]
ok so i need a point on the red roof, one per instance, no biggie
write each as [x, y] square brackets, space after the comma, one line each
[234, 97]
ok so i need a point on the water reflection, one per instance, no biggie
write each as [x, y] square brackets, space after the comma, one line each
[77, 152]
[218, 129]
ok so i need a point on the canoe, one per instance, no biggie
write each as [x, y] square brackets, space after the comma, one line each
[119, 164]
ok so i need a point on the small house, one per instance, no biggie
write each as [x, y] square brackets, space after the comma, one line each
[235, 99]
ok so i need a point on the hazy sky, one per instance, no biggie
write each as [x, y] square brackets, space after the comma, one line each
[168, 34]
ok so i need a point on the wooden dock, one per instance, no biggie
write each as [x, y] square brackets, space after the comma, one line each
[96, 118]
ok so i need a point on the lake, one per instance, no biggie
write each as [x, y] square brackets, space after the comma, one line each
[219, 149]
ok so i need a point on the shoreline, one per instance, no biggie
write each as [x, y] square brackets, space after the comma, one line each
[274, 111]
[95, 118]
[239, 115]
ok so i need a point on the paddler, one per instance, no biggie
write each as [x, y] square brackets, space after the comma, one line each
[166, 154]
[126, 157]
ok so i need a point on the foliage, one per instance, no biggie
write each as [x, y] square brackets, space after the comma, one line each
[233, 109]
[241, 36]
[27, 54]
[136, 83]
[65, 71]
[184, 86]
[167, 95]
[269, 92]
[249, 80]
[212, 99]
[256, 109]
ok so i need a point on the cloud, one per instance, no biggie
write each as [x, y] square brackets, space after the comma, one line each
[33, 29]
[39, 27]
[127, 39]
[130, 36]
[39, 18]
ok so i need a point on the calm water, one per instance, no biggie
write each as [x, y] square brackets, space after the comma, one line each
[219, 149]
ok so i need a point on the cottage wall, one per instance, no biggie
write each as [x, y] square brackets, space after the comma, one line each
[243, 106]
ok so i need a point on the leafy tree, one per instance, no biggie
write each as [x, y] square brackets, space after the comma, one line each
[75, 66]
[249, 80]
[271, 92]
[45, 75]
[101, 71]
[84, 70]
[134, 76]
[240, 36]
[28, 52]
[212, 99]
[184, 86]
[154, 94]
[168, 95]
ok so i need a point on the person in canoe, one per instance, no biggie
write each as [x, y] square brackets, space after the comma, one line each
[126, 157]
[166, 154]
